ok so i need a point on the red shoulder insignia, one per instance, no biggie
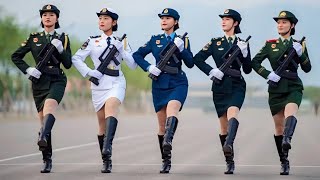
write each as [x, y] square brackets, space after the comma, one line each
[272, 40]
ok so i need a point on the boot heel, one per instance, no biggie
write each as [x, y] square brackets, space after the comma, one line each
[227, 150]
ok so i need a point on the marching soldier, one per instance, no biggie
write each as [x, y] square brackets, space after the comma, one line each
[229, 94]
[170, 89]
[110, 92]
[49, 89]
[285, 98]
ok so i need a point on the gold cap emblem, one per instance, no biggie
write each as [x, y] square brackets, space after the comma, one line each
[226, 11]
[104, 10]
[165, 11]
[282, 14]
[48, 6]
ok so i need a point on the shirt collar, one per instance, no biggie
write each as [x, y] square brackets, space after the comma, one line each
[172, 35]
[104, 36]
[282, 38]
[51, 33]
[233, 37]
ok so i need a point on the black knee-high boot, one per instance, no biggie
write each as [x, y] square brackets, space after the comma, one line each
[229, 159]
[47, 156]
[285, 166]
[111, 126]
[48, 122]
[232, 132]
[166, 158]
[290, 126]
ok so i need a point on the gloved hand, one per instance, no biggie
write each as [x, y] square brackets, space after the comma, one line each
[274, 77]
[298, 48]
[243, 47]
[31, 71]
[179, 43]
[216, 73]
[95, 73]
[58, 44]
[154, 70]
[119, 45]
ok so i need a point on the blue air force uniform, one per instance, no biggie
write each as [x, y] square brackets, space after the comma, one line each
[168, 86]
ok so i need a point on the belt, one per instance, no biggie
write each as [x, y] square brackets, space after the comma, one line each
[289, 75]
[52, 70]
[111, 72]
[233, 73]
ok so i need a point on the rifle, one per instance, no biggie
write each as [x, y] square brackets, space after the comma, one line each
[105, 61]
[162, 65]
[45, 55]
[287, 59]
[229, 60]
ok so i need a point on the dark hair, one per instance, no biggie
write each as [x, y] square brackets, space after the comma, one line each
[176, 26]
[115, 27]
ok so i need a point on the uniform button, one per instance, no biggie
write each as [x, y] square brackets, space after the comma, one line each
[168, 62]
[229, 76]
[181, 73]
[165, 72]
[231, 66]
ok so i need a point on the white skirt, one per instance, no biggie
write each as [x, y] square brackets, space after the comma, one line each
[99, 97]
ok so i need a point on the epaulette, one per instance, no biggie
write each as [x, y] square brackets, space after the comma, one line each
[34, 33]
[92, 37]
[272, 40]
[85, 44]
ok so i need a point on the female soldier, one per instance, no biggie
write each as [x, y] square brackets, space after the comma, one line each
[50, 82]
[228, 95]
[109, 93]
[285, 98]
[170, 89]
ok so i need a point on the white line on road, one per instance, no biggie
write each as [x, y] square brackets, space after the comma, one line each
[148, 164]
[74, 147]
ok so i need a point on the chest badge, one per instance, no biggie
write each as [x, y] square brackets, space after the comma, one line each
[220, 49]
[35, 40]
[218, 43]
[275, 50]
[38, 45]
[273, 46]
[157, 41]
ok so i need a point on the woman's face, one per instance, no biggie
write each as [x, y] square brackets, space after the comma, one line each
[284, 26]
[228, 23]
[106, 23]
[167, 22]
[49, 19]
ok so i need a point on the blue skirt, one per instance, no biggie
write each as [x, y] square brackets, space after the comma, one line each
[161, 97]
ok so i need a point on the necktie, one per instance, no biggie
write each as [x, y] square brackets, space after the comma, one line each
[108, 41]
[49, 37]
[285, 42]
[169, 38]
[230, 41]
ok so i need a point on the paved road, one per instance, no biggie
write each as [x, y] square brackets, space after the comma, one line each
[197, 152]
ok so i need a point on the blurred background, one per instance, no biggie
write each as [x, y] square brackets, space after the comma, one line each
[139, 20]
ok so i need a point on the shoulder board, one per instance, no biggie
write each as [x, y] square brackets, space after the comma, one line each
[34, 33]
[217, 38]
[272, 40]
[92, 37]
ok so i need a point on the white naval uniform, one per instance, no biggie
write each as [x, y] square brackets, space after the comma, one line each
[109, 86]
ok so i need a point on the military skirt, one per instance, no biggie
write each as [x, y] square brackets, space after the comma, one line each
[48, 87]
[230, 92]
[161, 97]
[278, 101]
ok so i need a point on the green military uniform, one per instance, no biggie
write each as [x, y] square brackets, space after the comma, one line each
[288, 90]
[48, 86]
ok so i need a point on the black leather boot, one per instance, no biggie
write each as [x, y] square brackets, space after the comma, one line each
[290, 126]
[47, 154]
[111, 126]
[166, 159]
[48, 122]
[229, 159]
[232, 132]
[285, 165]
[171, 126]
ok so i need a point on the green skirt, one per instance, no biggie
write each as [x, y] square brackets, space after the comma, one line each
[278, 101]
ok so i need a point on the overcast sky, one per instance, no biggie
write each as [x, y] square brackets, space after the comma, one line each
[138, 18]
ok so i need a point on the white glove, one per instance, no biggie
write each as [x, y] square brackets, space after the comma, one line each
[179, 43]
[298, 48]
[154, 70]
[31, 71]
[95, 73]
[243, 47]
[119, 45]
[216, 73]
[274, 77]
[58, 44]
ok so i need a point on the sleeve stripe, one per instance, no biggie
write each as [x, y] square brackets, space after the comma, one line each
[65, 42]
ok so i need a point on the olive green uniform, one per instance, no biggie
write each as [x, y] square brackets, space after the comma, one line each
[49, 86]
